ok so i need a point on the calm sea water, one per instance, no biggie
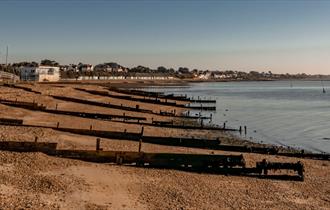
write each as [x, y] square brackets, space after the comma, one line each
[286, 113]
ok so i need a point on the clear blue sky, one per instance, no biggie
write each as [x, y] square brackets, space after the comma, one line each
[280, 36]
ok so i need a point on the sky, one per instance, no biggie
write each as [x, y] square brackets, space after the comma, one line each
[280, 36]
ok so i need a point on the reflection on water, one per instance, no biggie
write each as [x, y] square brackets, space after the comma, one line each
[274, 112]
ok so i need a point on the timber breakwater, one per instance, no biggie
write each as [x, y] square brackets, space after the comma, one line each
[216, 164]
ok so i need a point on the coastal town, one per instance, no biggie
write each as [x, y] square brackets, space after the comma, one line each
[50, 70]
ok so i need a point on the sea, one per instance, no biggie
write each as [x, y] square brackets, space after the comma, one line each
[288, 113]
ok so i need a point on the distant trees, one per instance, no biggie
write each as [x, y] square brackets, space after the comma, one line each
[183, 70]
[47, 62]
[162, 69]
[140, 69]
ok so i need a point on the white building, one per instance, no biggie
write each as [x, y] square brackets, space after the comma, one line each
[85, 67]
[40, 73]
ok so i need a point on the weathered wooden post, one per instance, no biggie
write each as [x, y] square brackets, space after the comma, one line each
[224, 125]
[240, 130]
[245, 129]
[140, 142]
[91, 127]
[56, 107]
[36, 139]
[58, 124]
[124, 119]
[98, 142]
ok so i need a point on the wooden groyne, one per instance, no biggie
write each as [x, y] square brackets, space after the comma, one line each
[22, 88]
[101, 104]
[36, 107]
[145, 100]
[181, 141]
[201, 107]
[122, 107]
[109, 117]
[23, 104]
[130, 98]
[158, 95]
[9, 121]
[202, 163]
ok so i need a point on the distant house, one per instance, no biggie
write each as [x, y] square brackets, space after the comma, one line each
[40, 73]
[102, 68]
[110, 67]
[85, 67]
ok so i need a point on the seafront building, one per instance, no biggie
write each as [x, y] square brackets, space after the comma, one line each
[40, 73]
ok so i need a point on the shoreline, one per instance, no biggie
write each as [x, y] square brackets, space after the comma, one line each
[183, 83]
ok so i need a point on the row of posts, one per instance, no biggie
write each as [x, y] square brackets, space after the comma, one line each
[98, 141]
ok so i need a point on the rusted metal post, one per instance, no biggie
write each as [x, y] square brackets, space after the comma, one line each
[58, 125]
[140, 142]
[124, 118]
[56, 106]
[91, 127]
[36, 139]
[98, 142]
